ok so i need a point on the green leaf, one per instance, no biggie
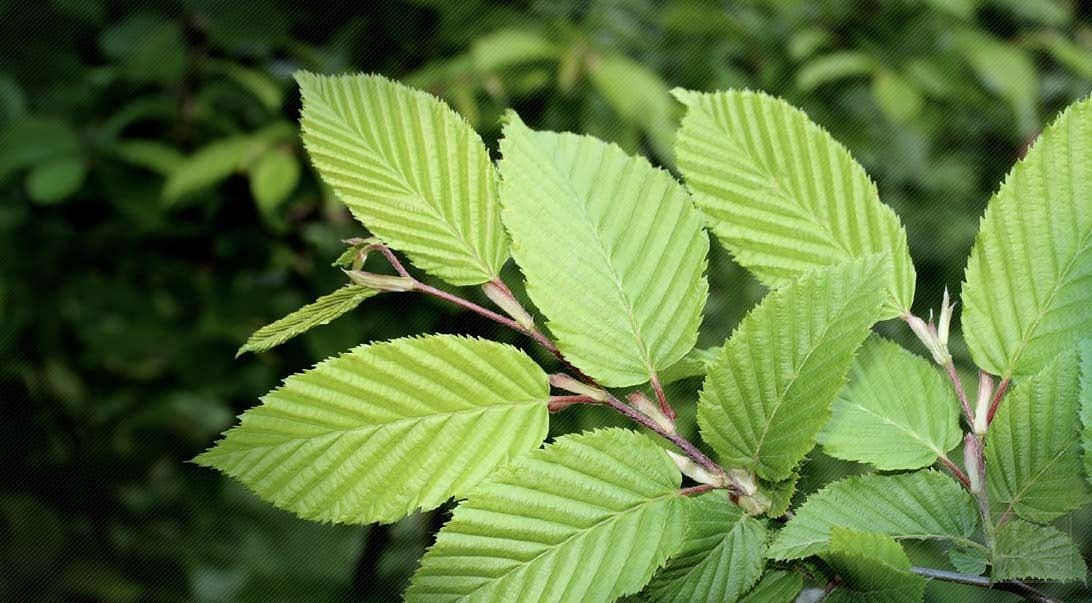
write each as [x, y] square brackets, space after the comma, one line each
[1033, 446]
[833, 67]
[776, 586]
[32, 140]
[780, 494]
[411, 169]
[873, 567]
[388, 428]
[623, 239]
[898, 98]
[1005, 69]
[209, 166]
[782, 195]
[639, 96]
[694, 364]
[55, 180]
[1085, 351]
[1027, 295]
[722, 555]
[151, 154]
[923, 505]
[770, 390]
[589, 517]
[969, 560]
[317, 313]
[510, 48]
[898, 411]
[273, 177]
[1026, 550]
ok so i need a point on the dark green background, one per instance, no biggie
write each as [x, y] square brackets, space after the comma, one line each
[122, 300]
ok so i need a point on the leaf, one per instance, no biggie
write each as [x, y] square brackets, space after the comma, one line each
[55, 180]
[317, 313]
[833, 67]
[32, 140]
[873, 567]
[151, 154]
[409, 168]
[923, 505]
[769, 392]
[898, 412]
[273, 177]
[782, 195]
[589, 517]
[1027, 293]
[510, 48]
[898, 98]
[694, 364]
[209, 166]
[1026, 550]
[1033, 448]
[969, 560]
[776, 586]
[722, 555]
[388, 428]
[612, 249]
[639, 96]
[1085, 351]
[780, 494]
[1004, 69]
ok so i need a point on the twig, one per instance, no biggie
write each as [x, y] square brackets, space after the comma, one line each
[559, 403]
[949, 367]
[956, 471]
[1016, 587]
[1001, 389]
[661, 397]
[699, 489]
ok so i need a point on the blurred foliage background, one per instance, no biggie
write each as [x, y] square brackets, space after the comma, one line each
[156, 207]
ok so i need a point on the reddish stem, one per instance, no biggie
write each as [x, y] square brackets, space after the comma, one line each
[692, 490]
[559, 403]
[956, 471]
[661, 397]
[1001, 389]
[958, 385]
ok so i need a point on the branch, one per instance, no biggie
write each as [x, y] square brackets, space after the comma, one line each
[1001, 389]
[1016, 587]
[956, 471]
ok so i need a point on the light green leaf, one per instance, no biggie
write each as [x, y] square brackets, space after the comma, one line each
[1004, 69]
[722, 555]
[898, 98]
[770, 390]
[209, 166]
[388, 428]
[589, 517]
[1027, 295]
[776, 586]
[694, 364]
[613, 251]
[55, 180]
[508, 48]
[780, 494]
[151, 154]
[411, 169]
[1033, 448]
[898, 411]
[833, 67]
[1026, 550]
[872, 567]
[317, 313]
[782, 195]
[639, 96]
[1085, 351]
[273, 177]
[923, 505]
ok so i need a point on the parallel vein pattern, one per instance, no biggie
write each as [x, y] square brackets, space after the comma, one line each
[589, 517]
[1026, 550]
[387, 428]
[1033, 447]
[897, 411]
[782, 195]
[317, 313]
[1028, 289]
[921, 505]
[613, 251]
[770, 390]
[872, 568]
[410, 168]
[721, 558]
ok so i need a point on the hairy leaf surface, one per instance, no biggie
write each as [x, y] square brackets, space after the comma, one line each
[722, 555]
[613, 251]
[1027, 550]
[769, 391]
[409, 168]
[872, 567]
[387, 428]
[898, 411]
[1028, 289]
[1033, 448]
[924, 505]
[589, 517]
[317, 313]
[782, 195]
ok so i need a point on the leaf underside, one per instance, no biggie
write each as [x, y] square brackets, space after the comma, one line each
[769, 391]
[1027, 293]
[387, 428]
[317, 313]
[1027, 550]
[896, 413]
[782, 195]
[589, 517]
[1033, 446]
[612, 249]
[923, 505]
[410, 169]
[722, 555]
